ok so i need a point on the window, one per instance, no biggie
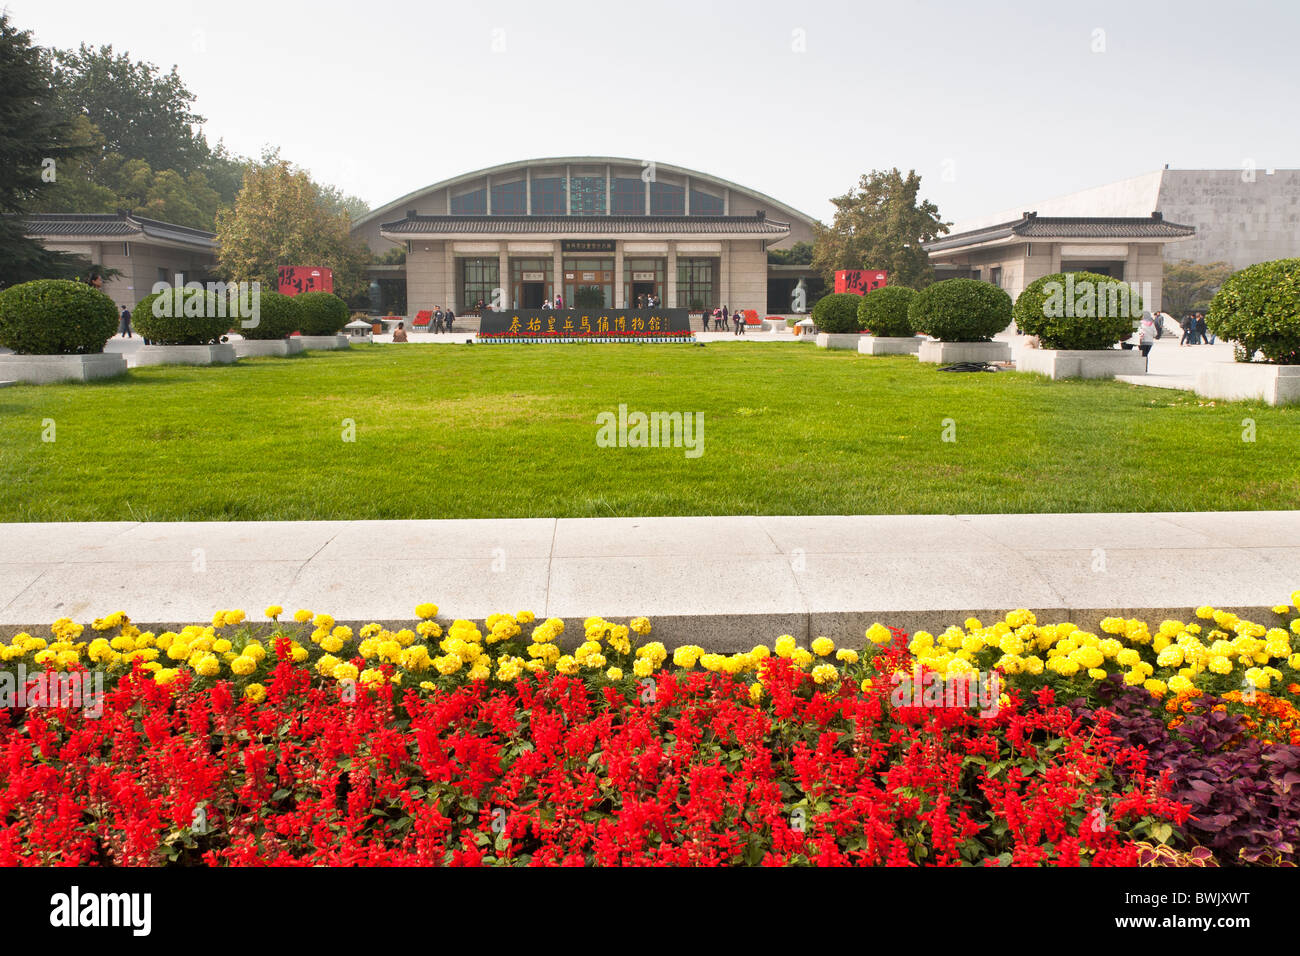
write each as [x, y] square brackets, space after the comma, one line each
[470, 204]
[702, 204]
[548, 196]
[627, 197]
[587, 195]
[695, 283]
[995, 276]
[667, 200]
[509, 199]
[479, 279]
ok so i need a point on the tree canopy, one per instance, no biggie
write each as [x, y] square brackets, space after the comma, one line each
[880, 224]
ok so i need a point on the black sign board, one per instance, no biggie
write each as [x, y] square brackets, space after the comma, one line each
[584, 323]
[586, 245]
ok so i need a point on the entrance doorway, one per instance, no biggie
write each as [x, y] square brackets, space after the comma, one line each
[532, 295]
[639, 289]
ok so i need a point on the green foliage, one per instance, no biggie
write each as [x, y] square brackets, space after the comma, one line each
[278, 316]
[883, 311]
[56, 317]
[960, 310]
[1077, 310]
[837, 313]
[588, 297]
[799, 254]
[880, 225]
[181, 317]
[322, 313]
[1258, 308]
[1189, 286]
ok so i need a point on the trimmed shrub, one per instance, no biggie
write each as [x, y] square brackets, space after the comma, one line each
[1077, 310]
[1258, 308]
[322, 313]
[837, 312]
[181, 317]
[883, 311]
[278, 316]
[56, 317]
[960, 310]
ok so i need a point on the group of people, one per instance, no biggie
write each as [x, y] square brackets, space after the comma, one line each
[1194, 329]
[723, 320]
[648, 301]
[441, 321]
[556, 303]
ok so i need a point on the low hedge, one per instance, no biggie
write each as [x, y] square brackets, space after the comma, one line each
[181, 317]
[56, 317]
[278, 316]
[837, 312]
[1077, 310]
[1258, 308]
[322, 313]
[883, 311]
[960, 310]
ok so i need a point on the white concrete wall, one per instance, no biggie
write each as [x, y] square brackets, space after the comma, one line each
[1238, 221]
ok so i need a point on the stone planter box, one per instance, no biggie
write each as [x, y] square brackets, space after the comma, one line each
[248, 348]
[43, 369]
[324, 342]
[223, 354]
[888, 344]
[1236, 381]
[774, 325]
[946, 353]
[1082, 363]
[838, 340]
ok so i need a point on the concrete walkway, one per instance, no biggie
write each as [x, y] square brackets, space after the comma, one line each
[724, 582]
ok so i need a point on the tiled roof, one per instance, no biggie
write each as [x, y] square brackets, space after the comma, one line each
[585, 225]
[1032, 226]
[66, 225]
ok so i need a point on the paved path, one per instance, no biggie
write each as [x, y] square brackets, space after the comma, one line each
[721, 581]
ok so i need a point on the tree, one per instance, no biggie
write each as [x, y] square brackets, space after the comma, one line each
[281, 218]
[800, 254]
[880, 225]
[1189, 286]
[34, 140]
[339, 201]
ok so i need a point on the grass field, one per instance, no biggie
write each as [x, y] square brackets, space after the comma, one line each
[510, 431]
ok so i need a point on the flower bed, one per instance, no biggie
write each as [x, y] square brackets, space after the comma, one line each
[500, 743]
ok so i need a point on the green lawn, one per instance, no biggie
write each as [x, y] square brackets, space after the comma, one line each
[510, 431]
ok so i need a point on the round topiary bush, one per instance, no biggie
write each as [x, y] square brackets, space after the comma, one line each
[56, 317]
[960, 310]
[883, 311]
[181, 317]
[837, 313]
[276, 317]
[1077, 310]
[1258, 309]
[323, 313]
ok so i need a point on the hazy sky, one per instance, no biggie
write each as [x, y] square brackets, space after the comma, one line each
[995, 104]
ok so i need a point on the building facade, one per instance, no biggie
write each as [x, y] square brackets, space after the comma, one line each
[1013, 254]
[145, 251]
[595, 230]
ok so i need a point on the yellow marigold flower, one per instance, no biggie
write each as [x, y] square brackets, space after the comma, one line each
[273, 612]
[255, 693]
[825, 673]
[535, 667]
[478, 672]
[760, 652]
[712, 662]
[234, 617]
[1179, 684]
[686, 656]
[448, 664]
[1155, 687]
[1205, 612]
[1257, 677]
[866, 685]
[801, 657]
[325, 666]
[640, 625]
[426, 611]
[755, 693]
[208, 666]
[643, 667]
[1128, 657]
[822, 646]
[1033, 665]
[785, 646]
[331, 644]
[372, 677]
[344, 671]
[847, 655]
[165, 675]
[1021, 616]
[525, 617]
[243, 666]
[654, 651]
[1096, 673]
[973, 624]
[614, 673]
[879, 634]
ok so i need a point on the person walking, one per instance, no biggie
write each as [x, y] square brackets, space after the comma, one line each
[1202, 332]
[559, 300]
[726, 317]
[1186, 322]
[448, 317]
[1146, 334]
[437, 318]
[124, 323]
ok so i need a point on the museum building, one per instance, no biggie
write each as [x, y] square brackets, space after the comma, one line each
[600, 231]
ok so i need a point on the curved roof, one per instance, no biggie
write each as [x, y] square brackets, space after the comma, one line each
[400, 204]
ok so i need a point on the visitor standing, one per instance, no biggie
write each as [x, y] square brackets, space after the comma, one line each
[437, 318]
[1146, 334]
[559, 300]
[1202, 332]
[124, 322]
[448, 317]
[1186, 322]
